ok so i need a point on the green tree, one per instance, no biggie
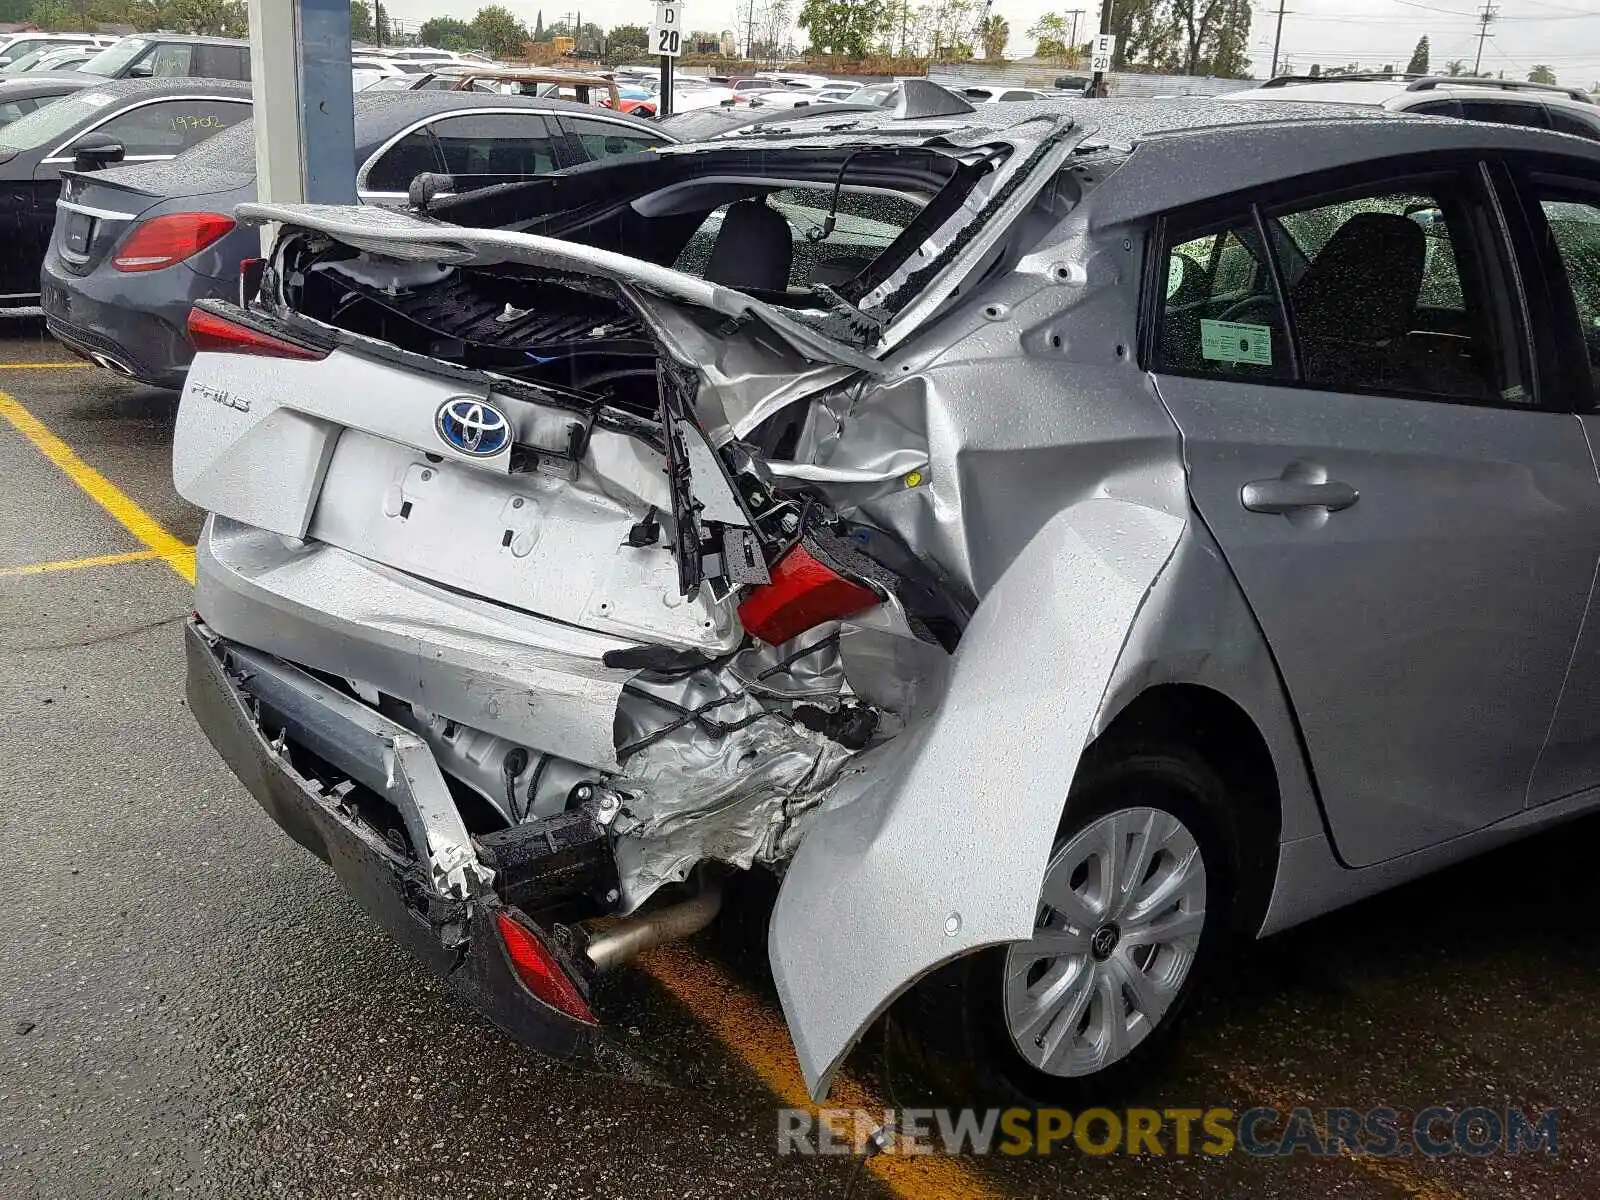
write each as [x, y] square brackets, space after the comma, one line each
[1541, 73]
[361, 26]
[538, 26]
[627, 41]
[1455, 67]
[994, 32]
[1419, 58]
[840, 26]
[498, 32]
[1050, 34]
[446, 33]
[57, 16]
[1212, 35]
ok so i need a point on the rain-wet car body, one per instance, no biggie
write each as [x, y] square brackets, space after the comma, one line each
[1054, 539]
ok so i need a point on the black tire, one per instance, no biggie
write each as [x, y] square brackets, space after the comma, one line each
[956, 1018]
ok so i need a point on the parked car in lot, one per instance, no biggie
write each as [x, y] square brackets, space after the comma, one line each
[50, 59]
[1502, 101]
[131, 120]
[12, 49]
[135, 247]
[20, 96]
[1164, 521]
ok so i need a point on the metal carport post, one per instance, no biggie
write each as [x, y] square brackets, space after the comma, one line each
[304, 101]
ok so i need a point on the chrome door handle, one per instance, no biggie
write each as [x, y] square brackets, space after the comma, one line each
[1291, 495]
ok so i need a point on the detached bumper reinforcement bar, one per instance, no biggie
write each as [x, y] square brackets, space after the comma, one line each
[454, 935]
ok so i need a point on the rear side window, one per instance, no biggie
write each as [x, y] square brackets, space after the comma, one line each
[415, 154]
[1221, 315]
[603, 139]
[1563, 121]
[169, 127]
[1388, 292]
[221, 62]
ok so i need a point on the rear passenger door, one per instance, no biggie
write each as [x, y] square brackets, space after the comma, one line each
[1409, 511]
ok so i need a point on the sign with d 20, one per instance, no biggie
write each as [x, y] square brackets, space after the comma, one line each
[666, 35]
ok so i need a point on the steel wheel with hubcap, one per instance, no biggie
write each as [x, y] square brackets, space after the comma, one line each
[1120, 918]
[1136, 901]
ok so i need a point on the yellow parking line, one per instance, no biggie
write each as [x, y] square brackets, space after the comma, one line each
[101, 490]
[754, 1032]
[72, 564]
[42, 366]
[1393, 1171]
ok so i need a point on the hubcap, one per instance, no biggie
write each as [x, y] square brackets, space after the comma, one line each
[1120, 918]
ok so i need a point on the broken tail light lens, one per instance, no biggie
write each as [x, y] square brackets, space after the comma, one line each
[539, 971]
[167, 241]
[218, 335]
[804, 593]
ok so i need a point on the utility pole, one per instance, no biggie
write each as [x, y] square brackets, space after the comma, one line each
[1097, 86]
[1276, 39]
[1072, 38]
[1488, 14]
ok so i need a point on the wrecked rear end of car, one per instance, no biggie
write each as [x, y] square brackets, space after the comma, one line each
[568, 544]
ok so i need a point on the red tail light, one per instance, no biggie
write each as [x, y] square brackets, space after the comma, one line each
[539, 971]
[207, 331]
[168, 240]
[802, 595]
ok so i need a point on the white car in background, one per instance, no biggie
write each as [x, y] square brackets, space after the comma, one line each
[995, 93]
[1499, 101]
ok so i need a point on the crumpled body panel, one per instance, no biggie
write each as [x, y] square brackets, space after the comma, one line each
[939, 847]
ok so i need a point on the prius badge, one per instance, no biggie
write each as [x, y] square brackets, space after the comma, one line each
[472, 426]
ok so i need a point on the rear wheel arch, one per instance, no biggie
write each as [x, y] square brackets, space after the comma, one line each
[1204, 722]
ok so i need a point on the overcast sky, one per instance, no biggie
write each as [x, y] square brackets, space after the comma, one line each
[1562, 33]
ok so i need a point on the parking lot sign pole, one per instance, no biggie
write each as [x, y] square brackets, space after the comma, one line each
[666, 42]
[1105, 49]
[304, 106]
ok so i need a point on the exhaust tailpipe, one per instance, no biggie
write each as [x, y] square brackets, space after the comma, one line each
[111, 364]
[624, 941]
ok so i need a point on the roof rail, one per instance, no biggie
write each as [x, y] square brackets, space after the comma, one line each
[1429, 82]
[1353, 77]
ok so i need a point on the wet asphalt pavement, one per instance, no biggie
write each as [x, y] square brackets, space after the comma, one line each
[189, 1005]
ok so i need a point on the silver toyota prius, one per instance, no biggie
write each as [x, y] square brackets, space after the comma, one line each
[1055, 540]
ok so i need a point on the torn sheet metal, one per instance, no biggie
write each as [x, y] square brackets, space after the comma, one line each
[938, 841]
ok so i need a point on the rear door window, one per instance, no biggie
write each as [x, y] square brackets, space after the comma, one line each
[169, 127]
[1563, 121]
[606, 139]
[1387, 292]
[489, 148]
[1506, 112]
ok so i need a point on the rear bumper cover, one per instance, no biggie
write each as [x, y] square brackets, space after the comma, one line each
[454, 938]
[149, 341]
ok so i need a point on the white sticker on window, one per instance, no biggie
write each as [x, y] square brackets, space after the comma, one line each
[1235, 342]
[93, 99]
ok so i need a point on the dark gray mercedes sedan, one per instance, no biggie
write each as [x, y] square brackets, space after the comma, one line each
[134, 247]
